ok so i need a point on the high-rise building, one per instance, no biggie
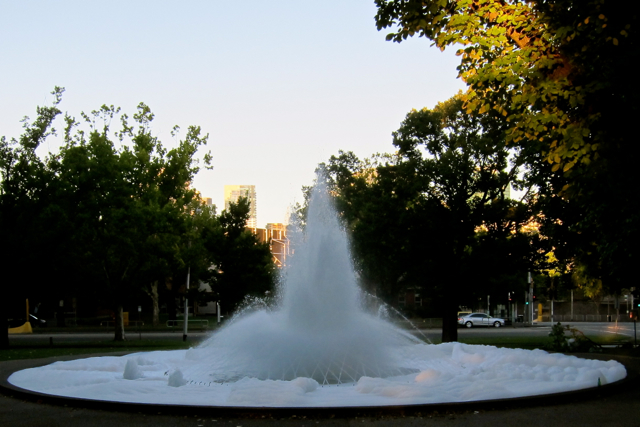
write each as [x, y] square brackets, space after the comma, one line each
[233, 192]
[278, 242]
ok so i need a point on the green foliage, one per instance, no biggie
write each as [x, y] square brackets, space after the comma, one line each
[554, 72]
[528, 61]
[127, 204]
[244, 266]
[112, 216]
[575, 342]
[434, 217]
[31, 227]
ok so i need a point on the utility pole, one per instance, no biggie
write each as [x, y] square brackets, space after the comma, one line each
[572, 305]
[530, 296]
[186, 307]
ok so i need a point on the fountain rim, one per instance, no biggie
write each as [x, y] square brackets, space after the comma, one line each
[6, 388]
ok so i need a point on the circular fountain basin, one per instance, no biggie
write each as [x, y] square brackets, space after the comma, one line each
[444, 373]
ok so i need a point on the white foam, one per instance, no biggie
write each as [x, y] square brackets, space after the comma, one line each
[451, 372]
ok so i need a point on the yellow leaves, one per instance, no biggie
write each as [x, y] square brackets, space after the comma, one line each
[615, 41]
[601, 16]
[624, 33]
[566, 187]
[568, 166]
[555, 167]
[586, 21]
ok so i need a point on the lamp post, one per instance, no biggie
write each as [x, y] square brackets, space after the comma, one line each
[186, 307]
[530, 300]
[139, 322]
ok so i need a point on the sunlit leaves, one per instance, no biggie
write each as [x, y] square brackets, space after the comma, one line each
[513, 64]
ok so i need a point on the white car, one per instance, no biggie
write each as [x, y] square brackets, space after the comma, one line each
[480, 319]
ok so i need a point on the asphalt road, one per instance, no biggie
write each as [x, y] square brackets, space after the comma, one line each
[44, 337]
[623, 330]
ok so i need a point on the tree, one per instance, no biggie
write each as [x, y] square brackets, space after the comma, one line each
[124, 202]
[243, 265]
[436, 209]
[94, 213]
[31, 225]
[113, 221]
[554, 71]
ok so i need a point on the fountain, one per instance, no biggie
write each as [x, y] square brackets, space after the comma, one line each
[319, 331]
[317, 348]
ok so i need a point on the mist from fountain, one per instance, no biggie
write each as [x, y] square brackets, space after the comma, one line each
[319, 329]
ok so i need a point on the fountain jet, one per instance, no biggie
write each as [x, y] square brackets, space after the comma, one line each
[319, 330]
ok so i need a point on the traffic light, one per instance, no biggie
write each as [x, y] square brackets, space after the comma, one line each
[633, 315]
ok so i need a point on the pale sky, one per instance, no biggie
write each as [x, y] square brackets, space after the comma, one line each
[279, 86]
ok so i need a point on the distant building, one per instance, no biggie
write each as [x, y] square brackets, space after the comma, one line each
[276, 235]
[233, 192]
[277, 232]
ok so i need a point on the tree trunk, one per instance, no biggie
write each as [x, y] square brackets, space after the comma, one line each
[119, 332]
[154, 300]
[172, 307]
[450, 319]
[597, 301]
[4, 330]
[152, 291]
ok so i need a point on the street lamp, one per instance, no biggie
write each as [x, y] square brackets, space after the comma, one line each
[186, 307]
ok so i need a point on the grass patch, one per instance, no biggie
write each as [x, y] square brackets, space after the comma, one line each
[26, 351]
[508, 342]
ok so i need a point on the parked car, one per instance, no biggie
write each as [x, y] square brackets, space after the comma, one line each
[480, 319]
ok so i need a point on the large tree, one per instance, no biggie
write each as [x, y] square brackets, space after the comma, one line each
[32, 226]
[555, 71]
[99, 217]
[112, 216]
[123, 201]
[428, 217]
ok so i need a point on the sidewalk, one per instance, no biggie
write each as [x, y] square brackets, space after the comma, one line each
[617, 406]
